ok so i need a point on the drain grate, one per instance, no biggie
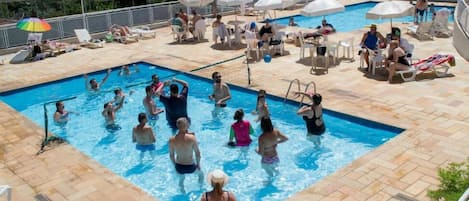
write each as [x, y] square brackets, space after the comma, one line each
[403, 197]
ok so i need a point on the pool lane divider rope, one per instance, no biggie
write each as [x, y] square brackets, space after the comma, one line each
[193, 70]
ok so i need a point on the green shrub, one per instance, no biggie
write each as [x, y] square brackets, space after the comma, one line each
[454, 181]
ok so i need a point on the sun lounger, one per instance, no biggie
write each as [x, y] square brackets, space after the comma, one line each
[85, 39]
[21, 56]
[433, 63]
[143, 32]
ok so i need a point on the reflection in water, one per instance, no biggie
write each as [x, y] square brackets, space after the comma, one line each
[268, 190]
[307, 159]
[239, 163]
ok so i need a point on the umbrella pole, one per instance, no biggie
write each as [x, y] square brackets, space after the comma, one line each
[391, 24]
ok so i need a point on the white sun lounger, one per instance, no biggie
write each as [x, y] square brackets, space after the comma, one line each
[85, 39]
[143, 32]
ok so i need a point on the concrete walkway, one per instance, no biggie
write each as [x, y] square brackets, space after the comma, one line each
[433, 111]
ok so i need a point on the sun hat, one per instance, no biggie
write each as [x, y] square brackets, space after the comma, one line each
[217, 176]
[371, 26]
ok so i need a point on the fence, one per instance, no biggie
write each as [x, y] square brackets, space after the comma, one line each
[62, 27]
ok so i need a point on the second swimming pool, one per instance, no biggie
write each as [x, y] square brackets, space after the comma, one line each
[353, 18]
[301, 165]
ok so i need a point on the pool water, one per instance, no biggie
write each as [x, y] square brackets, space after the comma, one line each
[301, 165]
[353, 18]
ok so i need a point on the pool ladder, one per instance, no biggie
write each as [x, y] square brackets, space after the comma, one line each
[297, 81]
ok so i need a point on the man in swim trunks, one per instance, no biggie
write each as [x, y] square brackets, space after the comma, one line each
[268, 141]
[183, 145]
[93, 85]
[149, 104]
[420, 9]
[143, 135]
[176, 103]
[221, 91]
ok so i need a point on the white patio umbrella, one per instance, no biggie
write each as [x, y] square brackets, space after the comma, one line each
[195, 3]
[322, 7]
[273, 4]
[390, 9]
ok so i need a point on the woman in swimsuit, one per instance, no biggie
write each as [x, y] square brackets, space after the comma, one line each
[268, 141]
[217, 179]
[261, 106]
[398, 59]
[312, 115]
[240, 131]
[60, 115]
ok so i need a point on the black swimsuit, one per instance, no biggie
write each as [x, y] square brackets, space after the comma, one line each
[206, 195]
[311, 126]
[402, 60]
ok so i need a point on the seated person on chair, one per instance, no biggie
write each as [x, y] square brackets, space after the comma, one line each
[183, 16]
[325, 28]
[398, 59]
[177, 21]
[370, 41]
[267, 31]
[403, 43]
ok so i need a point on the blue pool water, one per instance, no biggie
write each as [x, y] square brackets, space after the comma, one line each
[301, 165]
[353, 18]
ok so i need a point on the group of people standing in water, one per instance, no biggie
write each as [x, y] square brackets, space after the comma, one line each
[183, 145]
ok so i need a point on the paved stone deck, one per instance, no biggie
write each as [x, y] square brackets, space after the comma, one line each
[434, 112]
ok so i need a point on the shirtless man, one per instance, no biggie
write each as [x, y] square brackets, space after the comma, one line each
[150, 105]
[268, 141]
[93, 85]
[420, 9]
[183, 145]
[143, 135]
[109, 114]
[221, 91]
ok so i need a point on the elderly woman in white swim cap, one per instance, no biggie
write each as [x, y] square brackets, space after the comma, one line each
[217, 179]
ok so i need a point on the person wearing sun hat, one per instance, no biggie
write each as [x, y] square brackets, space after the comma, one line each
[217, 179]
[370, 41]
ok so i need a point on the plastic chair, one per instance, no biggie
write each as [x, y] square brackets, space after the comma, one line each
[347, 46]
[5, 189]
[330, 50]
[304, 45]
[376, 59]
[277, 42]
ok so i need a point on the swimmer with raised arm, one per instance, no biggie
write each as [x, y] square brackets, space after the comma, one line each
[125, 70]
[92, 84]
[150, 104]
[109, 113]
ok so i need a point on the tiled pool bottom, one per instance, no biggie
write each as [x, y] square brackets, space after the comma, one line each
[112, 145]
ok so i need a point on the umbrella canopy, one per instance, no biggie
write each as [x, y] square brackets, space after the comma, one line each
[273, 4]
[233, 2]
[33, 24]
[322, 7]
[390, 9]
[195, 3]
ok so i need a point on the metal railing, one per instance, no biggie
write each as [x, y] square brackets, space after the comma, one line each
[97, 22]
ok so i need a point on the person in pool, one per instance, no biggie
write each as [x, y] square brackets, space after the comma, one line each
[262, 109]
[109, 113]
[217, 179]
[268, 141]
[125, 70]
[155, 83]
[119, 97]
[61, 115]
[312, 115]
[143, 135]
[93, 85]
[176, 103]
[221, 91]
[150, 105]
[240, 130]
[182, 148]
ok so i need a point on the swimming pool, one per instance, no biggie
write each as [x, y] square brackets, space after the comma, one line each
[352, 18]
[346, 139]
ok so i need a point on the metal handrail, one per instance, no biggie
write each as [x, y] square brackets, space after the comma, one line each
[306, 90]
[289, 88]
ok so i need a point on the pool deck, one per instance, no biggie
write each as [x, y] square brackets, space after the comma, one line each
[434, 112]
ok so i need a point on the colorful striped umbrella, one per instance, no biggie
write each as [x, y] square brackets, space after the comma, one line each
[33, 24]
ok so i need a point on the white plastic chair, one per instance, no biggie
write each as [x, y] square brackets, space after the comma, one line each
[5, 189]
[347, 46]
[278, 37]
[376, 59]
[178, 32]
[331, 50]
[304, 45]
[199, 29]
